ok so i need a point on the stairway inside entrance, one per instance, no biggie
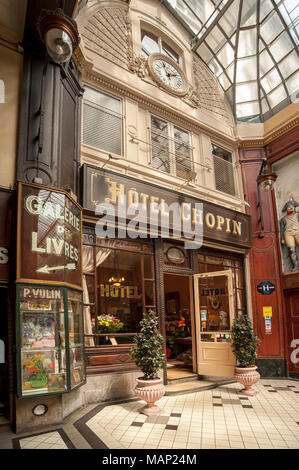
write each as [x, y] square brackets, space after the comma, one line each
[181, 379]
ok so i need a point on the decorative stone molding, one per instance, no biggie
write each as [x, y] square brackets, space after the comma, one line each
[108, 34]
[270, 137]
[137, 64]
[206, 92]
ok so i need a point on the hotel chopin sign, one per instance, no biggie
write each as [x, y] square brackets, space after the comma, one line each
[218, 223]
[49, 236]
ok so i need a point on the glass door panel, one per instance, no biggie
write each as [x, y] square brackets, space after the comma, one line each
[214, 312]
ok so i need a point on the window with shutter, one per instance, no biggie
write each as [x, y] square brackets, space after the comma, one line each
[183, 161]
[160, 145]
[102, 121]
[223, 168]
[171, 150]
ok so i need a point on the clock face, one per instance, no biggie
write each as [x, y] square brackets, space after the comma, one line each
[168, 74]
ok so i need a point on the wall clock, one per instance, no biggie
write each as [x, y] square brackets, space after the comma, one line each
[175, 255]
[168, 74]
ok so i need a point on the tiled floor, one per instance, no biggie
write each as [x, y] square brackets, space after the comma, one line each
[220, 418]
[49, 440]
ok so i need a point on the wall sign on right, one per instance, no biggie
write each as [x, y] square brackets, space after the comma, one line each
[265, 287]
[287, 203]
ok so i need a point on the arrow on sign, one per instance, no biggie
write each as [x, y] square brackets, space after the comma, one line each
[47, 270]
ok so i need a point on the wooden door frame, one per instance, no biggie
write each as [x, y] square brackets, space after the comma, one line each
[192, 313]
[228, 273]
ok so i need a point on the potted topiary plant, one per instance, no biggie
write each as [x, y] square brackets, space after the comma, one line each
[244, 345]
[149, 357]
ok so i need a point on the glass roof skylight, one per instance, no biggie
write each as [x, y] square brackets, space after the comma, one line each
[252, 48]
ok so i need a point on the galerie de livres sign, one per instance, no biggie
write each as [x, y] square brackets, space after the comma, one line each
[49, 236]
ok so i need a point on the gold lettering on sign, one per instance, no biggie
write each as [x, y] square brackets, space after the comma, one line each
[143, 199]
[116, 190]
[237, 227]
[196, 216]
[159, 206]
[210, 220]
[129, 292]
[154, 201]
[133, 198]
[227, 230]
[220, 222]
[186, 211]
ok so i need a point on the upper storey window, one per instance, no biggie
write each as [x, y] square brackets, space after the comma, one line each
[223, 168]
[151, 43]
[171, 149]
[102, 121]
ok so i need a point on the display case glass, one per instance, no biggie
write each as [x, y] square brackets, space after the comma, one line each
[50, 348]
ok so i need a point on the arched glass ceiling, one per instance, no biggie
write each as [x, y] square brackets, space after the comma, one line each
[252, 48]
[250, 45]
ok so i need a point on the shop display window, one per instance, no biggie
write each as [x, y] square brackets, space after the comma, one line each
[215, 319]
[118, 286]
[211, 263]
[50, 340]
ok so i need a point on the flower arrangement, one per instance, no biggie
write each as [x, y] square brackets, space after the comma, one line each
[34, 371]
[109, 324]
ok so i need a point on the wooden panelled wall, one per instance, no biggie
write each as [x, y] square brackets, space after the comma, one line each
[51, 151]
[265, 261]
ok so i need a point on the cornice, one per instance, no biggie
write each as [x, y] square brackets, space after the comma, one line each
[270, 136]
[275, 134]
[249, 143]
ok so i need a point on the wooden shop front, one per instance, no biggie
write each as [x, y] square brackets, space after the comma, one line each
[49, 311]
[124, 275]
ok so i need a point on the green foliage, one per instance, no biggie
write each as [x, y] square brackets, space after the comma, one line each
[148, 353]
[245, 342]
[172, 339]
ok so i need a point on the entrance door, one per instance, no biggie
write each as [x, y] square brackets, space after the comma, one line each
[214, 313]
[179, 326]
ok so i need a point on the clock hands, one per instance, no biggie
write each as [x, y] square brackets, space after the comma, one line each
[168, 74]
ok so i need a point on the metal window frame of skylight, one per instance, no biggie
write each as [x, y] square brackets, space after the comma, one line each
[273, 9]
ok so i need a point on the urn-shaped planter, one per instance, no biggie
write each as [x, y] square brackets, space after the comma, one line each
[247, 376]
[149, 357]
[150, 390]
[245, 345]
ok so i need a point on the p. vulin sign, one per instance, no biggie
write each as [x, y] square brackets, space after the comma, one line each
[49, 238]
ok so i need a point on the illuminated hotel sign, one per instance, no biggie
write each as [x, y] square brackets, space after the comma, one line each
[219, 223]
[49, 236]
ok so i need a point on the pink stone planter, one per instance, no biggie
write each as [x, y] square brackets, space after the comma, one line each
[150, 390]
[247, 376]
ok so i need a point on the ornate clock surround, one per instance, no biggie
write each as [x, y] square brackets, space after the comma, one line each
[151, 61]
